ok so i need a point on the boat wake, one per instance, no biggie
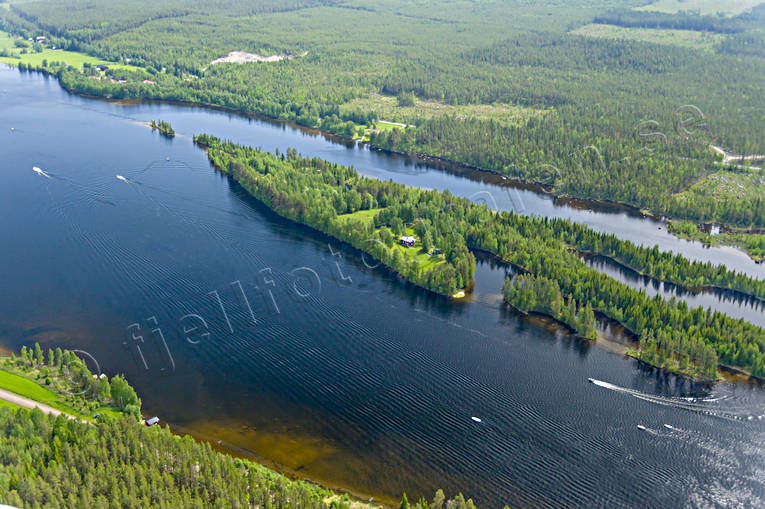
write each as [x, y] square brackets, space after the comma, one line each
[704, 406]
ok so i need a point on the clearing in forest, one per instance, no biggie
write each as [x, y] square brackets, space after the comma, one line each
[727, 7]
[242, 57]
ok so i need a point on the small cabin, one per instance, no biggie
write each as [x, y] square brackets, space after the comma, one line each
[152, 421]
[408, 240]
[102, 67]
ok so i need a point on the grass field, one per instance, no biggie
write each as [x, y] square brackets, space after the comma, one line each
[387, 108]
[30, 389]
[6, 41]
[71, 58]
[728, 7]
[683, 38]
[7, 404]
[415, 252]
[365, 215]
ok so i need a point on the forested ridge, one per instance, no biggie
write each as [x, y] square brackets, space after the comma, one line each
[682, 20]
[614, 118]
[318, 193]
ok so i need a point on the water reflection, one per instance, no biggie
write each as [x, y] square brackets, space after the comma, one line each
[729, 302]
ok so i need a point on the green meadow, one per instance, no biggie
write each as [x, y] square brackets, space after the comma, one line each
[71, 58]
[416, 252]
[683, 38]
[727, 7]
[29, 388]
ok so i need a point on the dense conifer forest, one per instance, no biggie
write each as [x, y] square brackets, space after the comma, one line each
[600, 118]
[514, 87]
[115, 461]
[55, 462]
[336, 200]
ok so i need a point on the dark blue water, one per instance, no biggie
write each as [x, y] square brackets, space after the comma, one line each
[306, 357]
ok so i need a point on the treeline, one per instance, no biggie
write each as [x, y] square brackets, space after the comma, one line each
[676, 352]
[62, 370]
[163, 127]
[528, 293]
[314, 192]
[650, 261]
[682, 20]
[55, 462]
[545, 151]
[609, 125]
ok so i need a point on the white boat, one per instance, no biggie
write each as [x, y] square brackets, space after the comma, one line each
[40, 172]
[476, 419]
[641, 427]
[122, 178]
[669, 426]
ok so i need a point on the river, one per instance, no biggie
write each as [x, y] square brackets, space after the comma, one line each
[299, 352]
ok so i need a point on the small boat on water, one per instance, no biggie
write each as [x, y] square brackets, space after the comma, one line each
[669, 426]
[476, 419]
[40, 172]
[641, 427]
[120, 177]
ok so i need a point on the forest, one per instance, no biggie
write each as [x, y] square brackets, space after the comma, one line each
[55, 462]
[528, 293]
[326, 196]
[163, 127]
[115, 461]
[618, 120]
[317, 193]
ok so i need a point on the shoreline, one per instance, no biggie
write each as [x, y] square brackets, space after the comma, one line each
[692, 289]
[531, 185]
[377, 499]
[29, 403]
[459, 295]
[535, 186]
